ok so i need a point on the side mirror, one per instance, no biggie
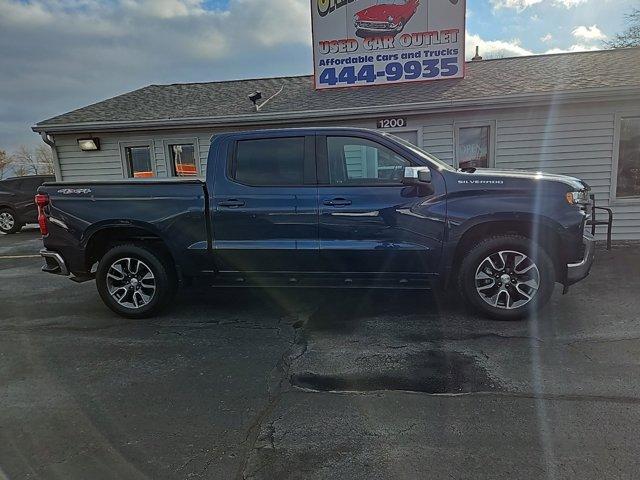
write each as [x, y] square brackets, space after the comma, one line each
[416, 175]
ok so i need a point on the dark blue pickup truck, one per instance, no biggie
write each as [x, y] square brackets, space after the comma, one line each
[322, 207]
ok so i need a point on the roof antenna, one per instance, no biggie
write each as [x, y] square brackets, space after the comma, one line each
[254, 97]
[477, 58]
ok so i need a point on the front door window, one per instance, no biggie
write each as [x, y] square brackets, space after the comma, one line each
[357, 161]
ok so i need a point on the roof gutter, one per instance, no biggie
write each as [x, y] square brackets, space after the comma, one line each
[54, 152]
[529, 99]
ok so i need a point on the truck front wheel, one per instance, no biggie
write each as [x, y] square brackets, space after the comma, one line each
[135, 281]
[507, 277]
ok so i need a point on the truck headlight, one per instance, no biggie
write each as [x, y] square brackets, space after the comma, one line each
[390, 19]
[578, 198]
[356, 18]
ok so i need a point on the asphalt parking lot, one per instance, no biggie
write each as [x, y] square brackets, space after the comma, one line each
[316, 384]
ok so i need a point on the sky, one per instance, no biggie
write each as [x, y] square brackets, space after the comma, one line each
[58, 55]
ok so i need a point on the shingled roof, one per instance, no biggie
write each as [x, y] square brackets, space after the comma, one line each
[540, 74]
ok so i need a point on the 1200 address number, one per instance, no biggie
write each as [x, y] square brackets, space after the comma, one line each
[393, 71]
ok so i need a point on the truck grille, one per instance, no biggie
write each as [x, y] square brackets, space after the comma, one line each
[373, 25]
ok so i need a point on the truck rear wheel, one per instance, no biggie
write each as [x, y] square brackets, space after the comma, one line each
[135, 281]
[507, 277]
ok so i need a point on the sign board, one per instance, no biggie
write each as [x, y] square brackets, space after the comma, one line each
[375, 42]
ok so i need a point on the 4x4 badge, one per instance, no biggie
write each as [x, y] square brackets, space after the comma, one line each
[72, 191]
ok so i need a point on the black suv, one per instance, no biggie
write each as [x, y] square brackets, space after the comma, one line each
[16, 201]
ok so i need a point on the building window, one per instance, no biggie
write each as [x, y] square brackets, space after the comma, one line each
[183, 160]
[628, 184]
[356, 161]
[270, 162]
[472, 149]
[138, 161]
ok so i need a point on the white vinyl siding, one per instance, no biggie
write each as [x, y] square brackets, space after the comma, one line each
[355, 157]
[438, 140]
[76, 165]
[160, 160]
[581, 146]
[576, 145]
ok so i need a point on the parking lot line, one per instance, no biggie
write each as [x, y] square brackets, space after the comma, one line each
[11, 257]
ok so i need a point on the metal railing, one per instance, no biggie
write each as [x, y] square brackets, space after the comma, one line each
[593, 222]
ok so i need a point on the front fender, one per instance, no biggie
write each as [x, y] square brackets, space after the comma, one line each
[458, 230]
[498, 222]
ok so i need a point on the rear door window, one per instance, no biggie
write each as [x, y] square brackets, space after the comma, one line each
[270, 161]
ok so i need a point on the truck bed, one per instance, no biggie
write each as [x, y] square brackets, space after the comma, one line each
[174, 210]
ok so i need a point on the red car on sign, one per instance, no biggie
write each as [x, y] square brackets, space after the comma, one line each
[384, 18]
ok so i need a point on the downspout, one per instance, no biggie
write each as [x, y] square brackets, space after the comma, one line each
[54, 151]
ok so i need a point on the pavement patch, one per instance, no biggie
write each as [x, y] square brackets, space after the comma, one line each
[430, 371]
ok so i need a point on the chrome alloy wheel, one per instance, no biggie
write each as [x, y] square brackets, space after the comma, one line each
[131, 282]
[507, 279]
[7, 221]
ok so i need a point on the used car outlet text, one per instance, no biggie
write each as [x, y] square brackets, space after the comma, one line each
[419, 39]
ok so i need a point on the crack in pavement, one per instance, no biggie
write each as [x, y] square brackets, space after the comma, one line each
[600, 340]
[280, 373]
[439, 339]
[516, 395]
[170, 328]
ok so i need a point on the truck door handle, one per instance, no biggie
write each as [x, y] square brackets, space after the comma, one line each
[231, 203]
[337, 202]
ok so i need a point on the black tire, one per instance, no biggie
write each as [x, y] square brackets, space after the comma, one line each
[9, 222]
[160, 266]
[477, 256]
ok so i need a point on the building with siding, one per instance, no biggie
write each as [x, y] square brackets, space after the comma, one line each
[576, 114]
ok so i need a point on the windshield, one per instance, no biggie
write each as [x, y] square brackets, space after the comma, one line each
[421, 153]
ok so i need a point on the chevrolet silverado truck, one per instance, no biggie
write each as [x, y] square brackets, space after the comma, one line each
[322, 207]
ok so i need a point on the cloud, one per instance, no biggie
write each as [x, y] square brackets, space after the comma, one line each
[57, 55]
[501, 49]
[569, 3]
[524, 4]
[165, 8]
[517, 4]
[588, 33]
[494, 48]
[578, 47]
